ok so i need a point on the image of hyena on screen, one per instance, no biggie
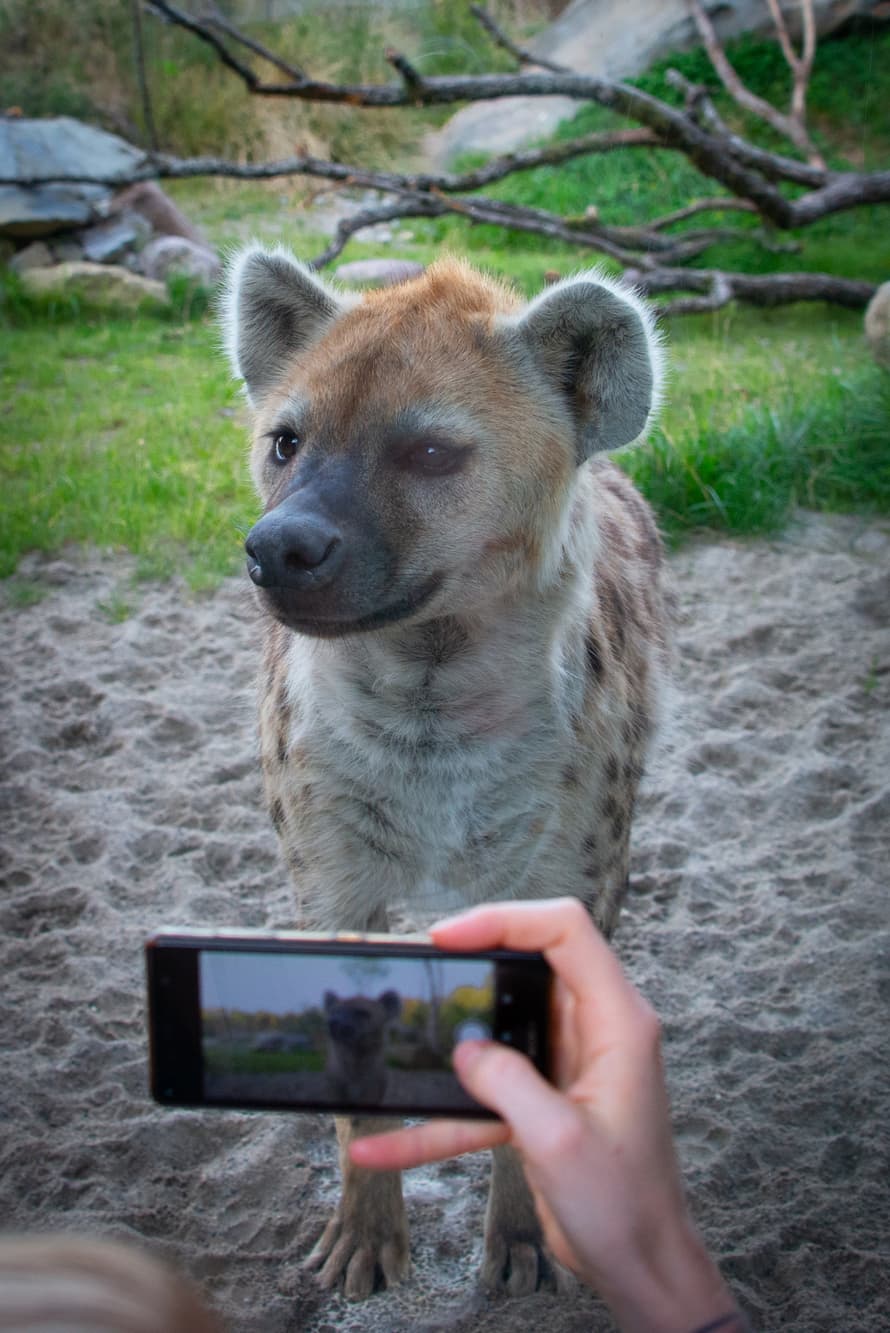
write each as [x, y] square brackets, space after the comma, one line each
[322, 1047]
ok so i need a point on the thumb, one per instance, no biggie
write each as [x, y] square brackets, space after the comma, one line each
[507, 1083]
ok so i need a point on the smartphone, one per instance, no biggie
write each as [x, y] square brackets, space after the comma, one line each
[357, 1024]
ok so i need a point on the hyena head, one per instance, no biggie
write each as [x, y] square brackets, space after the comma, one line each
[358, 1025]
[415, 449]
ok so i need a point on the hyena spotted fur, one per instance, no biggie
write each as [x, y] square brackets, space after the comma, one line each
[465, 625]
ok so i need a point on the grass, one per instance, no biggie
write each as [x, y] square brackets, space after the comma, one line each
[122, 433]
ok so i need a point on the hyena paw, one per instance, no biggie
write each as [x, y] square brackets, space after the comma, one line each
[364, 1261]
[513, 1266]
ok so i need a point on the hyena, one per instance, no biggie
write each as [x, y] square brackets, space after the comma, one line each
[465, 625]
[355, 1067]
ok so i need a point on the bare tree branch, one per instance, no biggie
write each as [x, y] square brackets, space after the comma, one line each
[772, 165]
[763, 289]
[162, 165]
[501, 39]
[719, 295]
[217, 20]
[790, 126]
[206, 34]
[702, 206]
[800, 65]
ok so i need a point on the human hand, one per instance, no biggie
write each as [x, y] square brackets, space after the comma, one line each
[597, 1148]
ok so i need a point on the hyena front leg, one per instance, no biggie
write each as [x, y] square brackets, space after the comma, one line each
[366, 1241]
[515, 1261]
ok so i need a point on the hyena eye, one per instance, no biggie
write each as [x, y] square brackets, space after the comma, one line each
[432, 458]
[284, 445]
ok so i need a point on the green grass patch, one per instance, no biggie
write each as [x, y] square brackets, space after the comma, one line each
[766, 411]
[122, 433]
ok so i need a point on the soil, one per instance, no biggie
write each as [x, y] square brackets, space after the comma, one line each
[757, 923]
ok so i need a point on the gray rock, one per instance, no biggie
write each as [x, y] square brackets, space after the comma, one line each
[65, 248]
[177, 254]
[378, 272]
[7, 249]
[611, 41]
[165, 219]
[877, 325]
[59, 144]
[105, 285]
[35, 255]
[109, 240]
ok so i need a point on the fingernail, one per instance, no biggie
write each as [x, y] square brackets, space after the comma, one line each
[468, 1053]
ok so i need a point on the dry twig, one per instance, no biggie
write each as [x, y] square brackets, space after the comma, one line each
[791, 126]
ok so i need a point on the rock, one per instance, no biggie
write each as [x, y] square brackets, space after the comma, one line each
[35, 255]
[165, 219]
[379, 272]
[105, 285]
[7, 249]
[62, 145]
[177, 254]
[109, 240]
[611, 42]
[65, 248]
[877, 325]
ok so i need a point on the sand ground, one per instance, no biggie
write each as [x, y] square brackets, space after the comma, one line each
[758, 924]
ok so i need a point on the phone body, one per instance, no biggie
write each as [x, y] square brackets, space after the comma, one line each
[355, 1024]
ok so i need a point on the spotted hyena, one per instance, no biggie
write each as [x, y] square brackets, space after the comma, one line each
[357, 1029]
[465, 624]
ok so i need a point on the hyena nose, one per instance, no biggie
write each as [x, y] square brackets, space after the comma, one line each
[293, 551]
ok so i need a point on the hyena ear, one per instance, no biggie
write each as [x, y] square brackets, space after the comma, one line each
[597, 343]
[273, 307]
[391, 1001]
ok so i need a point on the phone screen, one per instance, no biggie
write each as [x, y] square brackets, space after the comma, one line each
[324, 1031]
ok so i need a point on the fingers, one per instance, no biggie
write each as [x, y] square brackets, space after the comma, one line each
[538, 1115]
[561, 929]
[432, 1142]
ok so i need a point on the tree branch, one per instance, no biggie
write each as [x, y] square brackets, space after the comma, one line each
[501, 39]
[217, 20]
[791, 126]
[772, 165]
[742, 169]
[763, 289]
[702, 206]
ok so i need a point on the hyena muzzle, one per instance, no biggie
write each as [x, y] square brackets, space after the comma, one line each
[465, 625]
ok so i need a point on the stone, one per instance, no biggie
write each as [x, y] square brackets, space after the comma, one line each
[609, 41]
[165, 219]
[35, 255]
[62, 145]
[105, 285]
[65, 248]
[877, 325]
[378, 272]
[177, 254]
[109, 240]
